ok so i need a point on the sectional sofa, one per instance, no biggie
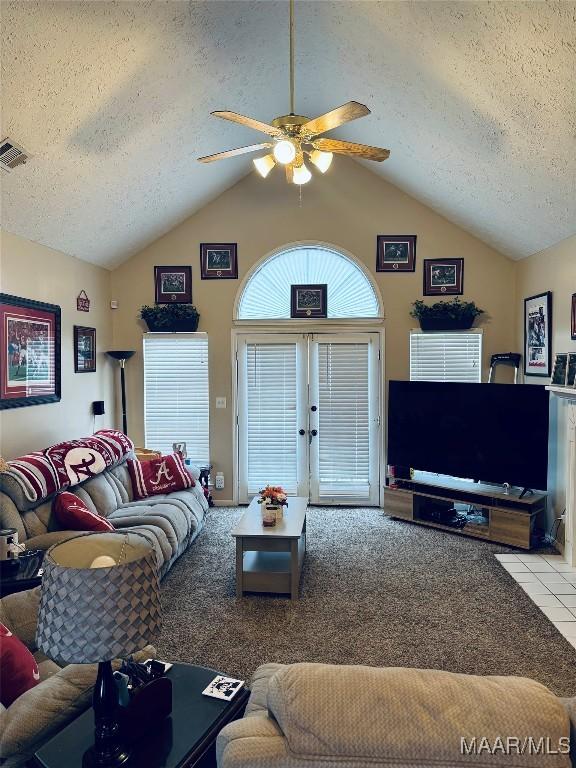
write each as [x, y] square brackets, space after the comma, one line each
[169, 521]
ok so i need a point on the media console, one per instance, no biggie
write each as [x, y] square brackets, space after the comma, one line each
[460, 506]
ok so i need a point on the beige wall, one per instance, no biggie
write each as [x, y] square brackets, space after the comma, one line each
[33, 271]
[552, 270]
[347, 208]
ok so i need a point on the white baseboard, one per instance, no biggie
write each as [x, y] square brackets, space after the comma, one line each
[224, 503]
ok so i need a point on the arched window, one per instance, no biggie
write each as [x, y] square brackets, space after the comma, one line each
[266, 294]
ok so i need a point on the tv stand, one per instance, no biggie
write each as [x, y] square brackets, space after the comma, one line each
[469, 508]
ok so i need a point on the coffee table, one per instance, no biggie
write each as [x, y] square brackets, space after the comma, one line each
[186, 739]
[270, 559]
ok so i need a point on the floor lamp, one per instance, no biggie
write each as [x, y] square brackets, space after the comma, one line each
[122, 355]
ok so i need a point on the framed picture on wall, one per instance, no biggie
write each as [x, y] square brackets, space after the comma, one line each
[173, 285]
[218, 261]
[84, 349]
[309, 300]
[29, 352]
[573, 318]
[443, 277]
[538, 335]
[396, 253]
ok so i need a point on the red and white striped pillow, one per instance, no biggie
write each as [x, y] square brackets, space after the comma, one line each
[163, 475]
[73, 515]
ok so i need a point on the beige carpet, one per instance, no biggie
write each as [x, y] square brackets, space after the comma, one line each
[374, 591]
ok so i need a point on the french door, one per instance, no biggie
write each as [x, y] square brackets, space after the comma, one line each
[309, 415]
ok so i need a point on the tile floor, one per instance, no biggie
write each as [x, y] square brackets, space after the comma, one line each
[551, 583]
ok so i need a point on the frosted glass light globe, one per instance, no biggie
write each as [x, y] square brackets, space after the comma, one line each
[301, 175]
[284, 151]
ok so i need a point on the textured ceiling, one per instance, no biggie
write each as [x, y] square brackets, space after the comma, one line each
[476, 101]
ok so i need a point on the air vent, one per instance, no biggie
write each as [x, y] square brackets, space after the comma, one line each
[12, 155]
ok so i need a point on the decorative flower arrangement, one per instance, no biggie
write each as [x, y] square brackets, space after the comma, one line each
[273, 495]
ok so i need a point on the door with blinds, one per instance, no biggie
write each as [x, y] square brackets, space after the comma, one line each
[308, 416]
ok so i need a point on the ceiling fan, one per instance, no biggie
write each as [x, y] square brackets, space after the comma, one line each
[295, 137]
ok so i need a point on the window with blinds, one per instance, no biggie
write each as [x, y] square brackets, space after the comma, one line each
[444, 356]
[344, 429]
[271, 424]
[176, 395]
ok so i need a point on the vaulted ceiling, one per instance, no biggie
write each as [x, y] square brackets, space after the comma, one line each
[475, 100]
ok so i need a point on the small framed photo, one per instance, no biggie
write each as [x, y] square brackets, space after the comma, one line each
[173, 285]
[573, 318]
[443, 277]
[84, 349]
[396, 253]
[571, 370]
[538, 335]
[560, 369]
[219, 261]
[309, 300]
[29, 352]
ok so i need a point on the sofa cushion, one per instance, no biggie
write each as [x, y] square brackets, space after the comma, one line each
[405, 716]
[18, 669]
[73, 514]
[158, 476]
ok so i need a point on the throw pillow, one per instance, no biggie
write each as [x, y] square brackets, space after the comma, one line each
[73, 515]
[18, 668]
[163, 475]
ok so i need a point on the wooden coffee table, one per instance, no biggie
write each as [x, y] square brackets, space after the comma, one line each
[270, 559]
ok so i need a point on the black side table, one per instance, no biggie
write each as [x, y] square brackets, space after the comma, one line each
[186, 739]
[24, 573]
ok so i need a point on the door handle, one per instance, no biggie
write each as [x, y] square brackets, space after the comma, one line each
[301, 431]
[313, 432]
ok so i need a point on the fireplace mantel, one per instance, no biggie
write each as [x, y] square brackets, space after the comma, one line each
[568, 394]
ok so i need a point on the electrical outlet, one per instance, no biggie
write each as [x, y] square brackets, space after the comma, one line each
[219, 482]
[220, 402]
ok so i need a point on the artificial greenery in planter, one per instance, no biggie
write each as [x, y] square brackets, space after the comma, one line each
[454, 315]
[170, 318]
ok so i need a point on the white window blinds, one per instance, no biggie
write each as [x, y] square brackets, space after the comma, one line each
[272, 430]
[176, 396]
[344, 429]
[444, 356]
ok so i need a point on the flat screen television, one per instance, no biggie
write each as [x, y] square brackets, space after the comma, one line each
[495, 433]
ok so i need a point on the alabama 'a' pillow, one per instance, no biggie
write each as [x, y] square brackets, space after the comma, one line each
[18, 668]
[73, 515]
[163, 475]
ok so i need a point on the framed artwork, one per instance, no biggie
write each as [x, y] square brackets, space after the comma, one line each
[84, 349]
[29, 352]
[443, 277]
[538, 335]
[560, 369]
[218, 261]
[571, 370]
[309, 300]
[573, 318]
[396, 253]
[173, 285]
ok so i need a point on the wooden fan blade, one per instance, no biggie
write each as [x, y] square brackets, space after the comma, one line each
[352, 110]
[232, 153]
[351, 148]
[249, 122]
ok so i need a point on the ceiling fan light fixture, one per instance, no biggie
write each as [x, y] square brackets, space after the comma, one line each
[322, 160]
[301, 175]
[284, 151]
[264, 165]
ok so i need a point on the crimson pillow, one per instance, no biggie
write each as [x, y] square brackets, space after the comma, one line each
[163, 475]
[74, 515]
[18, 668]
